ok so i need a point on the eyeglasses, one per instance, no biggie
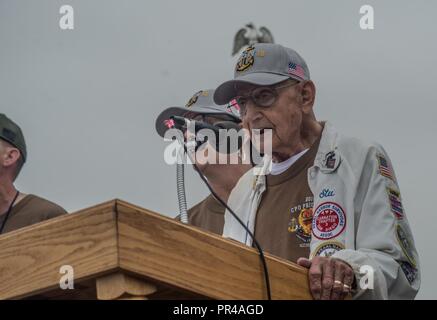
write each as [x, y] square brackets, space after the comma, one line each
[262, 96]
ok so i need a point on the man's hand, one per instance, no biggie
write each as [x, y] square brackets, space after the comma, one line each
[329, 278]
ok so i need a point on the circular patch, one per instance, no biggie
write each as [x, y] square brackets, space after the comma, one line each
[405, 244]
[327, 249]
[302, 225]
[329, 221]
[305, 219]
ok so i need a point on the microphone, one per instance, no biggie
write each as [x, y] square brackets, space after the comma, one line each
[220, 129]
[181, 123]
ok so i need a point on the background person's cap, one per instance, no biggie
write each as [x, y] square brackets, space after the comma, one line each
[11, 132]
[263, 64]
[200, 103]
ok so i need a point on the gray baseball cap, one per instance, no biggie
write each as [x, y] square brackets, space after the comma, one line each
[263, 64]
[200, 103]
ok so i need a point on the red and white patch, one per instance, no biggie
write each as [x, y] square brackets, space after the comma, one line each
[329, 221]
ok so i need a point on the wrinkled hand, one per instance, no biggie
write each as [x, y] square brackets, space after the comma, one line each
[329, 278]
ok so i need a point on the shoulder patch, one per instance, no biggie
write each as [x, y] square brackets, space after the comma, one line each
[394, 198]
[384, 168]
[330, 162]
[405, 244]
[409, 271]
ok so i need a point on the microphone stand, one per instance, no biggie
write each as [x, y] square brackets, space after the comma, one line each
[180, 172]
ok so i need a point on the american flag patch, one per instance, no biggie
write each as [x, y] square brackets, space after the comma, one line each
[233, 107]
[296, 70]
[234, 104]
[395, 203]
[384, 168]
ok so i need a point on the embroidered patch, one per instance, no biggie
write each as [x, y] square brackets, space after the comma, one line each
[193, 99]
[246, 60]
[326, 193]
[395, 203]
[296, 70]
[260, 53]
[329, 221]
[405, 244]
[302, 225]
[409, 271]
[330, 162]
[384, 168]
[327, 249]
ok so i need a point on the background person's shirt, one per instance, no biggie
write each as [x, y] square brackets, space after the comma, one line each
[209, 214]
[31, 209]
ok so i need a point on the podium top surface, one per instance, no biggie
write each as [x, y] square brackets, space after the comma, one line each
[118, 236]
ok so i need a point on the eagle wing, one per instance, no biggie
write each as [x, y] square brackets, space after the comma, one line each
[239, 41]
[265, 36]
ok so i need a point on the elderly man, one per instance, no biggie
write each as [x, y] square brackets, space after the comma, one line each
[209, 213]
[330, 203]
[17, 209]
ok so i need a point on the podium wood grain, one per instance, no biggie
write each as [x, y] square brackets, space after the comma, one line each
[119, 238]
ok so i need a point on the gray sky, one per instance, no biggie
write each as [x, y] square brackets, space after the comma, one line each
[87, 98]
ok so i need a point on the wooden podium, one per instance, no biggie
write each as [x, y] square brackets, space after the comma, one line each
[119, 251]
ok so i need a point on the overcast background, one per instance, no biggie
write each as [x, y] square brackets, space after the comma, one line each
[87, 98]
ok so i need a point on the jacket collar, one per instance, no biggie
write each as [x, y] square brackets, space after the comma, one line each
[327, 158]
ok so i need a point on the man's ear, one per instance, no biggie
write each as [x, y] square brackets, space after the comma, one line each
[308, 96]
[10, 156]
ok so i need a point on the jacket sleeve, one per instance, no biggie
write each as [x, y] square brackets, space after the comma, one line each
[384, 246]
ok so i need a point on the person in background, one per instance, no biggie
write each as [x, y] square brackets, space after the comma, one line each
[209, 213]
[18, 209]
